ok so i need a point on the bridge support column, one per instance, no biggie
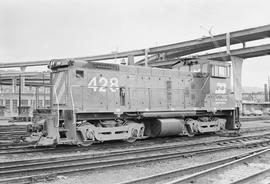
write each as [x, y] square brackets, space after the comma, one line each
[14, 84]
[237, 80]
[130, 60]
[146, 57]
[22, 79]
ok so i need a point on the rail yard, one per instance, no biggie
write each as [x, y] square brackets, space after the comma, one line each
[25, 163]
[167, 114]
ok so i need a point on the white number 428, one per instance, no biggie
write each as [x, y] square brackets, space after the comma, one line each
[102, 84]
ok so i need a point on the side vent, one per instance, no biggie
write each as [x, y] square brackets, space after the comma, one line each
[169, 93]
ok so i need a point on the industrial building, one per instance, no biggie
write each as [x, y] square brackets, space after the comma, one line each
[21, 92]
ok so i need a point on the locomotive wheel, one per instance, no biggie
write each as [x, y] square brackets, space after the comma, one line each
[85, 144]
[238, 125]
[53, 146]
[131, 139]
[190, 134]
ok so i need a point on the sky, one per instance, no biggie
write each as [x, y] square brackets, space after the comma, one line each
[46, 29]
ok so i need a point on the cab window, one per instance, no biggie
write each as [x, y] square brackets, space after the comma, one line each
[195, 68]
[204, 68]
[220, 71]
[184, 68]
[79, 74]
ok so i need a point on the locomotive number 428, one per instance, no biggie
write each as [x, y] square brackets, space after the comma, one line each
[102, 84]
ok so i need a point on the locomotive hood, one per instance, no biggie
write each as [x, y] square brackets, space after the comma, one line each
[61, 63]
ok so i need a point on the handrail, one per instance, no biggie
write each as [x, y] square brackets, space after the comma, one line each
[57, 102]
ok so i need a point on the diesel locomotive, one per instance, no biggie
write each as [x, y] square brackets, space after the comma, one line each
[95, 102]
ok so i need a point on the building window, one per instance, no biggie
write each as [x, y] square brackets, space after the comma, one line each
[2, 113]
[47, 90]
[40, 90]
[47, 103]
[15, 105]
[40, 104]
[33, 103]
[1, 102]
[8, 104]
[24, 102]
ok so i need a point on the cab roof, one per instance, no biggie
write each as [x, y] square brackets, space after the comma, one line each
[200, 61]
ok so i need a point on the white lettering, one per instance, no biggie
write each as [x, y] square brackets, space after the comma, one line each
[103, 83]
[221, 88]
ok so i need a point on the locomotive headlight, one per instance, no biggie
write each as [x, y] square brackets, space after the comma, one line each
[58, 63]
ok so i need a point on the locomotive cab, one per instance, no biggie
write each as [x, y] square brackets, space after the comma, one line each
[213, 79]
[212, 83]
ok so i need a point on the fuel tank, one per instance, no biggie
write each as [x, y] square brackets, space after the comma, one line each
[165, 127]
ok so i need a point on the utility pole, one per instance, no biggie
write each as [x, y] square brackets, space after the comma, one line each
[265, 93]
[44, 91]
[20, 95]
[268, 88]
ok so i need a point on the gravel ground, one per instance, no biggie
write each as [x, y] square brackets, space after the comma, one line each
[240, 171]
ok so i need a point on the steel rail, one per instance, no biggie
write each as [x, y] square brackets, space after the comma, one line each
[254, 118]
[254, 178]
[7, 148]
[14, 174]
[197, 175]
[24, 149]
[189, 170]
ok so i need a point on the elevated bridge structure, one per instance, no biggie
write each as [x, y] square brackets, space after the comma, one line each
[244, 53]
[170, 51]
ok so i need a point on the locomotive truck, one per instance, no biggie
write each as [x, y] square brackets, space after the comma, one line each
[95, 102]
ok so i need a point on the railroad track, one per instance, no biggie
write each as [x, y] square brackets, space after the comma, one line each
[22, 149]
[254, 118]
[191, 174]
[46, 169]
[254, 178]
